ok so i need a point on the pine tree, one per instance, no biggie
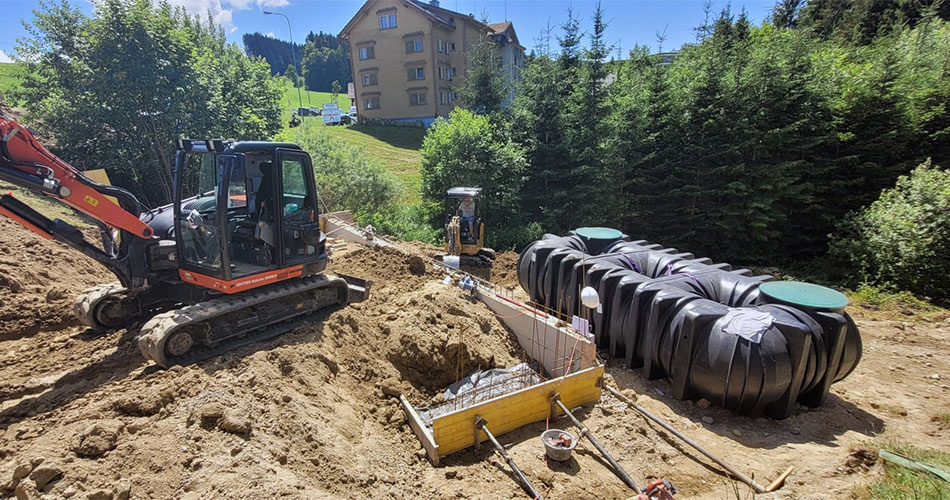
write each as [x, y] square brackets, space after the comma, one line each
[291, 74]
[484, 87]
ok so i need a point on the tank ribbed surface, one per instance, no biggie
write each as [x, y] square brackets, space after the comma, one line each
[702, 325]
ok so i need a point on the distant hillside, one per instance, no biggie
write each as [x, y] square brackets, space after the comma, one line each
[321, 61]
[278, 53]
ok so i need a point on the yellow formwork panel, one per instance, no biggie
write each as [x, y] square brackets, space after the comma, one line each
[456, 431]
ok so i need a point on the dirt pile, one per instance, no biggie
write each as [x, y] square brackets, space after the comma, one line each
[505, 272]
[310, 414]
[38, 280]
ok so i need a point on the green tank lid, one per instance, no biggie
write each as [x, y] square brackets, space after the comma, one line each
[598, 233]
[807, 295]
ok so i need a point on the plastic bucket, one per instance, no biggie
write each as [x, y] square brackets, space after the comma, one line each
[556, 450]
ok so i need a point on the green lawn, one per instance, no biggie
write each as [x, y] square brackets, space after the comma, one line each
[397, 147]
[9, 80]
[309, 99]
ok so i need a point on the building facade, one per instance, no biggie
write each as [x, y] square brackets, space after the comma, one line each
[407, 56]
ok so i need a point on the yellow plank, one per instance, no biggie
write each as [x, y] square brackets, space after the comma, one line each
[420, 430]
[455, 431]
[99, 175]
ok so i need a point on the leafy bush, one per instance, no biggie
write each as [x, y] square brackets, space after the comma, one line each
[903, 237]
[470, 150]
[415, 222]
[347, 177]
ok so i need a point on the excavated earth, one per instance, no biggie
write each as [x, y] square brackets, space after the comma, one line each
[314, 413]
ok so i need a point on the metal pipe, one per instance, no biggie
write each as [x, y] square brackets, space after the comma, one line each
[482, 424]
[731, 470]
[585, 432]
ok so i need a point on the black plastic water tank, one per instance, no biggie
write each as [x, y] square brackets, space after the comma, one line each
[744, 342]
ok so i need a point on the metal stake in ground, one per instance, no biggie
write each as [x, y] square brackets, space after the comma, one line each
[731, 470]
[585, 432]
[482, 424]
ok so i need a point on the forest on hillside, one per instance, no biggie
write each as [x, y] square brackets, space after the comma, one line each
[756, 144]
[323, 58]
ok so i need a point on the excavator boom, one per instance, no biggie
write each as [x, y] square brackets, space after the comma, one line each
[26, 163]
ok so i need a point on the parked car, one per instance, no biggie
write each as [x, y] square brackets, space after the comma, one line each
[306, 111]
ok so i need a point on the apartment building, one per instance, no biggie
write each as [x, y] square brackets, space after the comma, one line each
[407, 56]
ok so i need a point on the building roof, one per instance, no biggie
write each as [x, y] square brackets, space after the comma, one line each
[499, 27]
[505, 29]
[437, 14]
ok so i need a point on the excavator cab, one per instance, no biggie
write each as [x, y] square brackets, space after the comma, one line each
[464, 229]
[244, 210]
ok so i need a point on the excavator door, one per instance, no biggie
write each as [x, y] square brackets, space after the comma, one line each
[300, 238]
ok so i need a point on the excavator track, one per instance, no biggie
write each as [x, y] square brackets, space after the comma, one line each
[200, 331]
[105, 307]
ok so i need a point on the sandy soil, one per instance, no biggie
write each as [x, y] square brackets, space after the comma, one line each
[312, 414]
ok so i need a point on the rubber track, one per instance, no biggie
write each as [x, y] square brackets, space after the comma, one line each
[85, 305]
[162, 325]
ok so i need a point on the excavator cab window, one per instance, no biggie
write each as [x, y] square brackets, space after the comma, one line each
[197, 223]
[300, 228]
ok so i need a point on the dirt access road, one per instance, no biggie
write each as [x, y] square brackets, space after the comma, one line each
[313, 414]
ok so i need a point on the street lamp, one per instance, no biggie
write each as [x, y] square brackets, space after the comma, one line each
[293, 54]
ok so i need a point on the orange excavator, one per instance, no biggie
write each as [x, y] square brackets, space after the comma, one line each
[238, 256]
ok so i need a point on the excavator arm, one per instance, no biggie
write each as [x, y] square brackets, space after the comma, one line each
[26, 163]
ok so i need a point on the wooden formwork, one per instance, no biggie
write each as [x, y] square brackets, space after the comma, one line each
[570, 357]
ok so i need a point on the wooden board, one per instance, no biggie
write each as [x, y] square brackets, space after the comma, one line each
[421, 431]
[456, 431]
[99, 175]
[540, 337]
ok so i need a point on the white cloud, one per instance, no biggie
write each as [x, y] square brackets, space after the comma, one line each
[270, 34]
[5, 58]
[270, 4]
[261, 4]
[223, 10]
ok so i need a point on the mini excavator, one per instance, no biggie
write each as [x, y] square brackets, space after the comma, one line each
[237, 257]
[464, 229]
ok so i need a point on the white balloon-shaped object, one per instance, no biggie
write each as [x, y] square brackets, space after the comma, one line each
[589, 297]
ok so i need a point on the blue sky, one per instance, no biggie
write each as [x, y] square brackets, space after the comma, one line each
[630, 21]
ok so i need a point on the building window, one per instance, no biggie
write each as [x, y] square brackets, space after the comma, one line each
[441, 73]
[441, 47]
[367, 53]
[442, 99]
[371, 103]
[413, 46]
[417, 98]
[452, 47]
[369, 80]
[417, 74]
[387, 21]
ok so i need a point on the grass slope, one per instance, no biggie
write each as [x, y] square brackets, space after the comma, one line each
[397, 147]
[310, 99]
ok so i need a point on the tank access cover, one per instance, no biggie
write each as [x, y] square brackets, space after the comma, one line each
[598, 233]
[804, 295]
